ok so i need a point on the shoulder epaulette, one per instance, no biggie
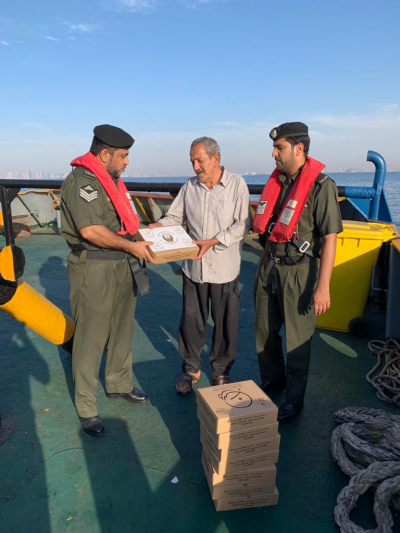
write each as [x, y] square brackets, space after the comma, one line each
[322, 178]
[89, 174]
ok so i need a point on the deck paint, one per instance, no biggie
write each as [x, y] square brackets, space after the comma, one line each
[54, 478]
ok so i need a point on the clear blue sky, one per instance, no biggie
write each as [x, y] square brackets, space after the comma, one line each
[168, 71]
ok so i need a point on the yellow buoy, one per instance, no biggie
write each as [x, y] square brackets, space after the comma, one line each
[7, 263]
[36, 312]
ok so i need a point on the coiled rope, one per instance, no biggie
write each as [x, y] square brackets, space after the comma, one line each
[366, 446]
[387, 382]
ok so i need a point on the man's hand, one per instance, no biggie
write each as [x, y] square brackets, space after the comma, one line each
[155, 225]
[139, 250]
[204, 246]
[104, 238]
[321, 301]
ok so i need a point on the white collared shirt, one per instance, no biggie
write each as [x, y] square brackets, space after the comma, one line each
[222, 212]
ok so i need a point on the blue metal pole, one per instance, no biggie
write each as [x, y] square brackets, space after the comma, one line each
[379, 180]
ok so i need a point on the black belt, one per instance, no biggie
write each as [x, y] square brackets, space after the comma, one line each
[139, 272]
[288, 260]
[112, 255]
[284, 260]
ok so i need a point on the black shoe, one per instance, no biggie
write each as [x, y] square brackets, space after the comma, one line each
[288, 412]
[135, 396]
[222, 380]
[268, 387]
[92, 425]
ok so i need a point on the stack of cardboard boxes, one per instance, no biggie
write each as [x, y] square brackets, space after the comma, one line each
[239, 433]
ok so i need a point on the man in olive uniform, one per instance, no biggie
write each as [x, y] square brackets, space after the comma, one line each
[99, 221]
[298, 219]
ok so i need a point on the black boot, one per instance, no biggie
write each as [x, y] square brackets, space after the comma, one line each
[92, 425]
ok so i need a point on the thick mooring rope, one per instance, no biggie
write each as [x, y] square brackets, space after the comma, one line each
[387, 382]
[366, 446]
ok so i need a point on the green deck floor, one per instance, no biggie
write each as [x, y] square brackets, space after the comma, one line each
[55, 478]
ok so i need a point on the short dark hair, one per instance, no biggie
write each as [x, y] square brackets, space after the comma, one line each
[303, 139]
[98, 146]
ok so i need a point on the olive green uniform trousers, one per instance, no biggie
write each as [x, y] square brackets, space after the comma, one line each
[103, 301]
[284, 299]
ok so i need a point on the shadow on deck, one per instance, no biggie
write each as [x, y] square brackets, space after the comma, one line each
[55, 478]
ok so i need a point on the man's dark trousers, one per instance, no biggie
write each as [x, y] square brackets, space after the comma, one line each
[224, 299]
[285, 300]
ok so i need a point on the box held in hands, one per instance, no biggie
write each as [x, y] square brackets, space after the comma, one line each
[170, 243]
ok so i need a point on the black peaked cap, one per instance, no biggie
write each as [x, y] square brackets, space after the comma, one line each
[289, 129]
[113, 136]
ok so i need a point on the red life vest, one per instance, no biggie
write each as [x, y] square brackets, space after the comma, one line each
[119, 197]
[294, 205]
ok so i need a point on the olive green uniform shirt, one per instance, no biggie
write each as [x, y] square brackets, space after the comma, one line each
[84, 202]
[321, 214]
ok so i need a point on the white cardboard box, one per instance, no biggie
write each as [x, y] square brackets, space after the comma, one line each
[170, 243]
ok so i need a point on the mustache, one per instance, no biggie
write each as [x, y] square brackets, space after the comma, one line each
[200, 171]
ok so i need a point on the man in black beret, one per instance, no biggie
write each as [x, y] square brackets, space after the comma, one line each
[113, 137]
[99, 222]
[298, 219]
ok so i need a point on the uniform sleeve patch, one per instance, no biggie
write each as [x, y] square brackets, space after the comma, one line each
[88, 193]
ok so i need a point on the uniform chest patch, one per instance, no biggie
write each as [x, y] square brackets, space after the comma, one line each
[261, 207]
[88, 193]
[286, 216]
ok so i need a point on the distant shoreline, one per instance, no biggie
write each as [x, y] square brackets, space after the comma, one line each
[5, 175]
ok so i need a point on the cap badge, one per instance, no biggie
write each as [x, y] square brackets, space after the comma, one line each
[273, 133]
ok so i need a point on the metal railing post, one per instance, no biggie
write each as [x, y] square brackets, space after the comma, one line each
[379, 181]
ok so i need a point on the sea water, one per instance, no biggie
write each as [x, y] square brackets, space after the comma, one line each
[354, 179]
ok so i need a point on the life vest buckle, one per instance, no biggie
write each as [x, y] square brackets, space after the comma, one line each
[271, 227]
[304, 247]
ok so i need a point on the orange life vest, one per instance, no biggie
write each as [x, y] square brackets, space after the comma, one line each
[119, 196]
[291, 212]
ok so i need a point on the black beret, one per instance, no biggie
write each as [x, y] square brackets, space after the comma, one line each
[113, 136]
[289, 129]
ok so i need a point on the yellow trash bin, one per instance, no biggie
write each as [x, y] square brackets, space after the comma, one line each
[357, 251]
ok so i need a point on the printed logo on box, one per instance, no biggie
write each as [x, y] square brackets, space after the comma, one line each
[236, 398]
[168, 237]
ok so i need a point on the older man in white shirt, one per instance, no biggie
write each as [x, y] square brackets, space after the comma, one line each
[215, 206]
